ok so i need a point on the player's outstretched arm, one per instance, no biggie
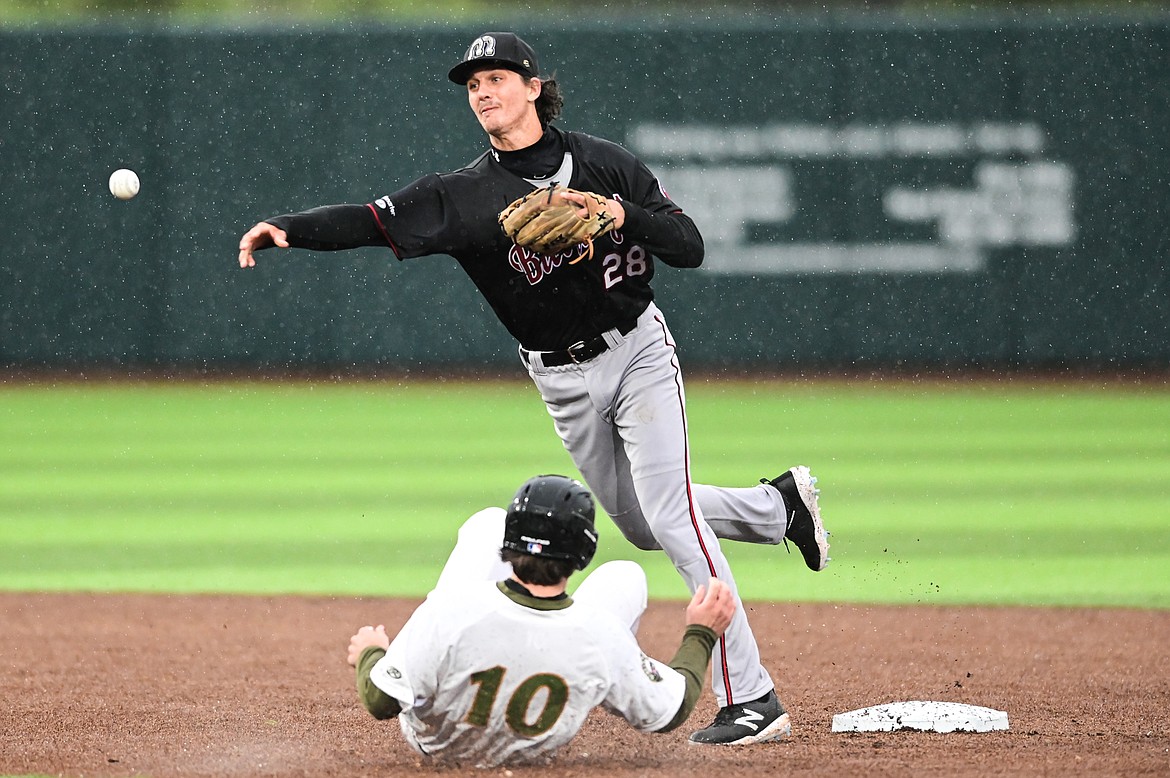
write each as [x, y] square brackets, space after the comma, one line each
[366, 637]
[366, 647]
[325, 228]
[261, 236]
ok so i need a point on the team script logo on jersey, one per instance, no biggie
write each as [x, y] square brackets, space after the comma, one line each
[536, 266]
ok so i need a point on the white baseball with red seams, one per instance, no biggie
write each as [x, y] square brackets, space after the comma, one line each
[124, 184]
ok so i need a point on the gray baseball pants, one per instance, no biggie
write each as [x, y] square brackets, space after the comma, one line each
[622, 418]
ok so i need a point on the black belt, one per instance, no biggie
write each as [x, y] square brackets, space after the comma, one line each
[582, 350]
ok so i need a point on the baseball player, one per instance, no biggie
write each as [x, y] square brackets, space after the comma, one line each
[590, 336]
[500, 665]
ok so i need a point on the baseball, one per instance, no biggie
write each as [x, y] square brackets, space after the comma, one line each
[124, 184]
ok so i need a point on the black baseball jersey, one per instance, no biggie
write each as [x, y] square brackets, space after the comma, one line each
[545, 302]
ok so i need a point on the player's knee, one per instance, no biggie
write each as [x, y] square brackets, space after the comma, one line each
[486, 526]
[624, 570]
[618, 587]
[639, 535]
[627, 576]
[644, 542]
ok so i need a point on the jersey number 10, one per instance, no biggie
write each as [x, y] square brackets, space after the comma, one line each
[516, 714]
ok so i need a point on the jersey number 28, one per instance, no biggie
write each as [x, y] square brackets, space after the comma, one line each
[618, 267]
[516, 714]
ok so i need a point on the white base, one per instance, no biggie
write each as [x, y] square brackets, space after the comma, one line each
[921, 715]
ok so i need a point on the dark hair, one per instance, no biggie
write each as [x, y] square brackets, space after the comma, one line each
[550, 101]
[541, 571]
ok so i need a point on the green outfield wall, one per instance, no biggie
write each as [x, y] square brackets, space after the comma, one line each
[873, 191]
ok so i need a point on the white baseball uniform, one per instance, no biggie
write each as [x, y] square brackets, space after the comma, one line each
[485, 675]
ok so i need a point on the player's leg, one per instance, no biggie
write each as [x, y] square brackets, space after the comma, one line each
[618, 587]
[583, 423]
[581, 406]
[650, 416]
[782, 509]
[657, 446]
[745, 514]
[582, 403]
[581, 411]
[753, 514]
[476, 556]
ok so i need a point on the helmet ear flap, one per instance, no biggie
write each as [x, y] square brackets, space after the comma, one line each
[552, 516]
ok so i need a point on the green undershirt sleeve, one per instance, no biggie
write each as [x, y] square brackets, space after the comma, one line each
[377, 702]
[691, 659]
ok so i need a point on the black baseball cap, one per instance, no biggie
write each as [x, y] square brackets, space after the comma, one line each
[496, 49]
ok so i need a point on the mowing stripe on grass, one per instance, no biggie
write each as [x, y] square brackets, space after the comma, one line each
[999, 493]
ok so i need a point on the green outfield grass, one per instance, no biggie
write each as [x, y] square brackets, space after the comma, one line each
[967, 493]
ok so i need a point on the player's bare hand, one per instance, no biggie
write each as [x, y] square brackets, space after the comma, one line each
[363, 639]
[712, 606]
[261, 236]
[613, 207]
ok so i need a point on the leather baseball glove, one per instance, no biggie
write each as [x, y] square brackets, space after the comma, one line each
[544, 222]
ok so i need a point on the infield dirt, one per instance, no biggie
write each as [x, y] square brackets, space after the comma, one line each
[161, 685]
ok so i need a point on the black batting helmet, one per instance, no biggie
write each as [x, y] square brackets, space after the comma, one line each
[552, 516]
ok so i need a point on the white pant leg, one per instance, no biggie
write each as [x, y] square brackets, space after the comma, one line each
[596, 447]
[476, 556]
[753, 514]
[622, 419]
[658, 450]
[618, 587]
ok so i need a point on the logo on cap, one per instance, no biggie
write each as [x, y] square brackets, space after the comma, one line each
[501, 49]
[534, 545]
[483, 46]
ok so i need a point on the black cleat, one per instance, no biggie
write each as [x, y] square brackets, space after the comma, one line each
[798, 489]
[758, 721]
